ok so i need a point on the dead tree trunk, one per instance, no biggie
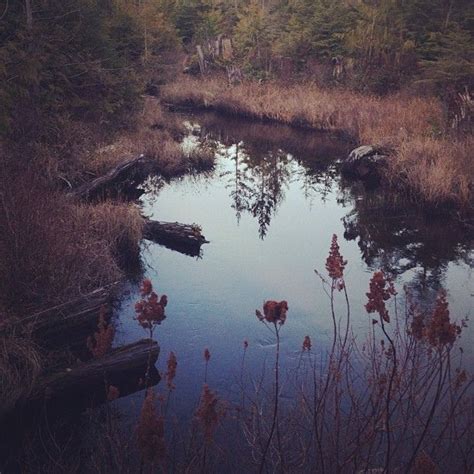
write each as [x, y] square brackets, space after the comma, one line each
[29, 14]
[202, 59]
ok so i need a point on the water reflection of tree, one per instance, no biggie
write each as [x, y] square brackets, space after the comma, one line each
[257, 183]
[391, 236]
[240, 188]
[267, 158]
[317, 181]
[395, 238]
[272, 177]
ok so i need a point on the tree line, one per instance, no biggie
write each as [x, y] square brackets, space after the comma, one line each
[86, 58]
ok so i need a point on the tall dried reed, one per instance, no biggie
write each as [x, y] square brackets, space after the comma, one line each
[381, 121]
[150, 434]
[101, 341]
[274, 316]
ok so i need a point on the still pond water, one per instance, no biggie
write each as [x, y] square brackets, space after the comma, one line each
[269, 210]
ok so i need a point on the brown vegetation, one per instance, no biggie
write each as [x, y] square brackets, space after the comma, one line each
[155, 134]
[434, 168]
[437, 169]
[20, 366]
[52, 249]
[381, 121]
[150, 432]
[382, 405]
[119, 224]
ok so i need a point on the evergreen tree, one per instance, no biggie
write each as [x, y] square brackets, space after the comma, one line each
[254, 35]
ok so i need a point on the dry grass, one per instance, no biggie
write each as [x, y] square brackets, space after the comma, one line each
[118, 225]
[156, 135]
[154, 116]
[439, 170]
[52, 249]
[20, 365]
[56, 155]
[78, 150]
[408, 125]
[380, 121]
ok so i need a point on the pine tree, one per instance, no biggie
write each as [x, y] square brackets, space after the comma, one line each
[254, 35]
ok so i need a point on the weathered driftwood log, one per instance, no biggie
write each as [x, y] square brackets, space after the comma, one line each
[123, 178]
[124, 368]
[183, 238]
[68, 323]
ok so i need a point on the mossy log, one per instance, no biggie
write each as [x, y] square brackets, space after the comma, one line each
[184, 238]
[124, 368]
[123, 179]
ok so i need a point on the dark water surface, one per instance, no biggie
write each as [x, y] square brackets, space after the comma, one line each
[269, 209]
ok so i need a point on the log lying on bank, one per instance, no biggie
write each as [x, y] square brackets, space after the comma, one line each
[183, 238]
[70, 323]
[123, 368]
[124, 178]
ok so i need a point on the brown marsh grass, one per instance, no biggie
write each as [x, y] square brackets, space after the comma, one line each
[20, 366]
[118, 224]
[155, 134]
[381, 121]
[444, 168]
[434, 168]
[52, 249]
[81, 151]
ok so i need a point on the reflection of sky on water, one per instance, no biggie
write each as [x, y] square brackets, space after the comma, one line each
[270, 215]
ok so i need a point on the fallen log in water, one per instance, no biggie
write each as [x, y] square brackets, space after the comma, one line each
[70, 323]
[124, 368]
[123, 178]
[183, 238]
